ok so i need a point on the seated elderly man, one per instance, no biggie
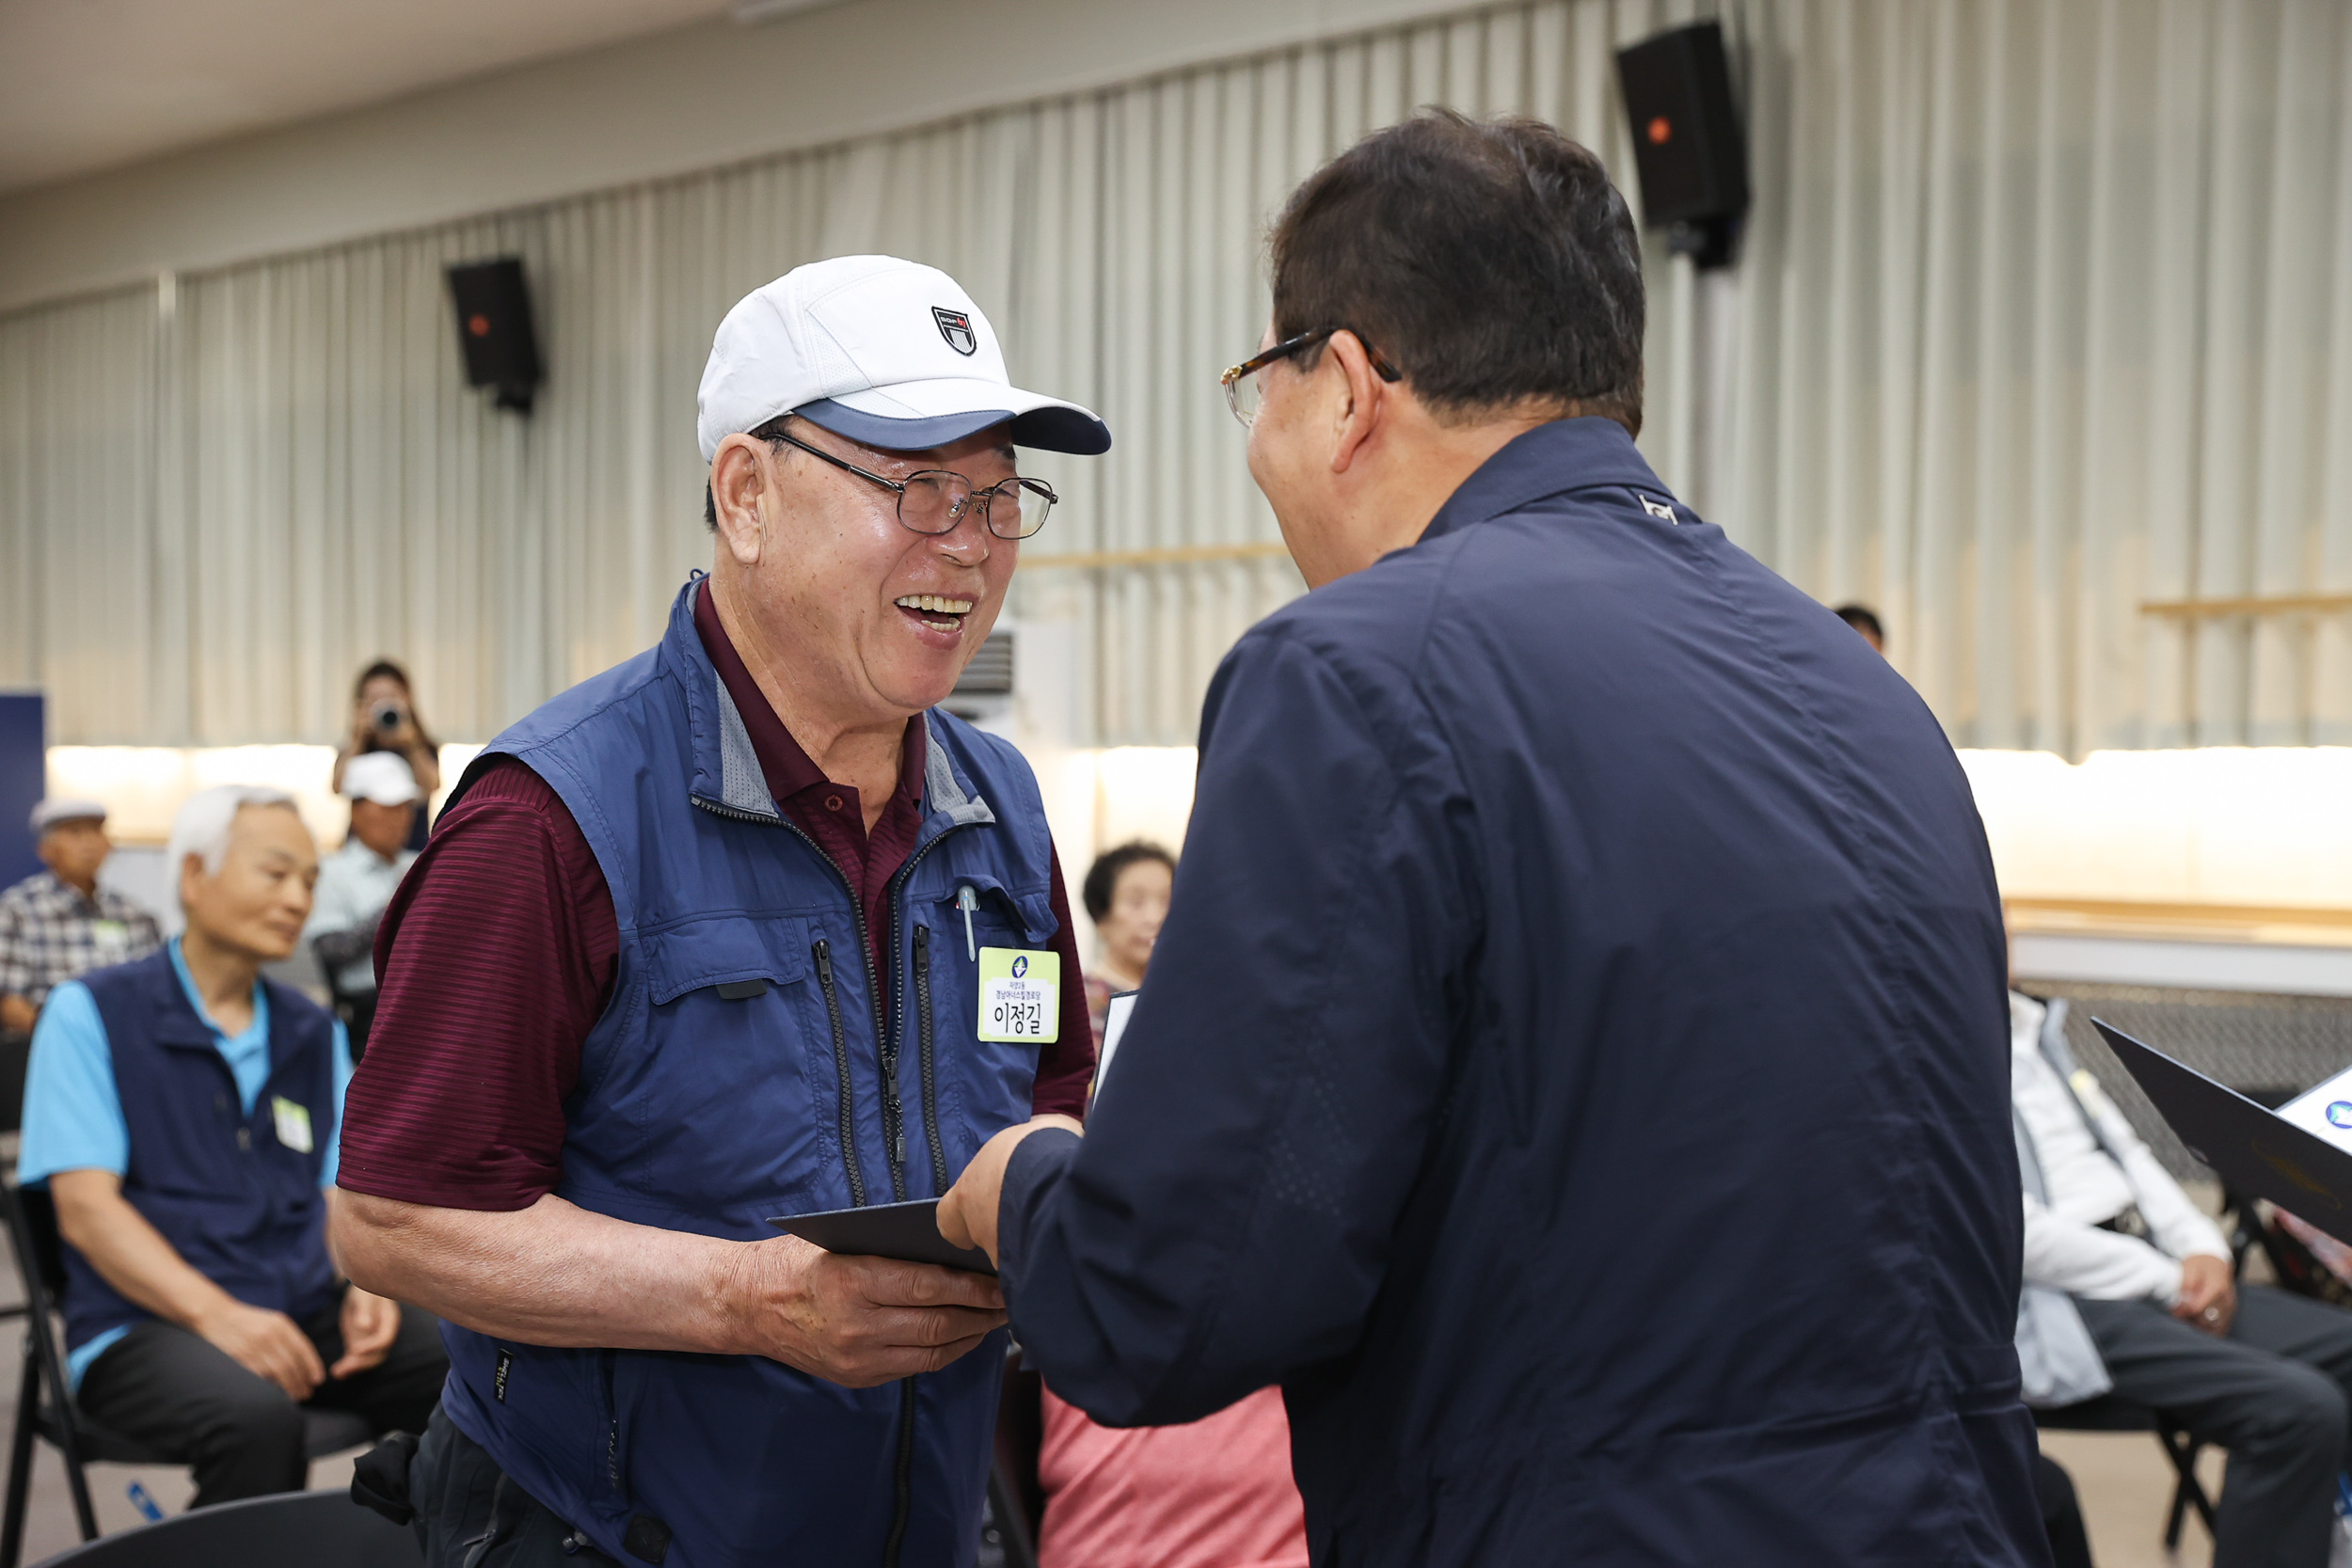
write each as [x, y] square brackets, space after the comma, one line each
[2129, 1288]
[184, 1113]
[357, 881]
[59, 923]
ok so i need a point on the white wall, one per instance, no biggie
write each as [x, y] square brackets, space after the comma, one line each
[672, 103]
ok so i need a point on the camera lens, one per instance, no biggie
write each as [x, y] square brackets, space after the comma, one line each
[388, 716]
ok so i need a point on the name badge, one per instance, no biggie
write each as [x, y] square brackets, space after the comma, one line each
[1020, 995]
[110, 937]
[293, 1123]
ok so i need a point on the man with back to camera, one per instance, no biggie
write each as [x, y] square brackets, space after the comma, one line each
[699, 943]
[1573, 1063]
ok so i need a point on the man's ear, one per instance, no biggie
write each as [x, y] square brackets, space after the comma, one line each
[191, 878]
[740, 474]
[1364, 397]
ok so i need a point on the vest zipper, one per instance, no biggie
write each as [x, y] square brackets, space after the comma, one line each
[888, 1022]
[823, 953]
[904, 1505]
[923, 1033]
[885, 1052]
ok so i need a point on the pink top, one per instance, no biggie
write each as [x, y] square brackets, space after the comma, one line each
[1216, 1494]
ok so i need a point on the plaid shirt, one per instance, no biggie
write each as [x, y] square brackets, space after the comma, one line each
[50, 934]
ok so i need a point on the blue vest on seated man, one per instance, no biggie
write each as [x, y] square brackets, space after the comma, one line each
[749, 1065]
[237, 1202]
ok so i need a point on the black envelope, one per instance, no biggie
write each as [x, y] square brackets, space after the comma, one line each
[907, 1231]
[2256, 1150]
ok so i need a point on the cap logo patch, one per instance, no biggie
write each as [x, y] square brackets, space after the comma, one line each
[956, 328]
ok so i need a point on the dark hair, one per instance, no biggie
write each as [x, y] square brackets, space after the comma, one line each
[1492, 264]
[1862, 618]
[1103, 876]
[772, 433]
[385, 667]
[381, 667]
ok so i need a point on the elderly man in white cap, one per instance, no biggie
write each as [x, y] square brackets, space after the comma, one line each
[58, 924]
[357, 881]
[744, 928]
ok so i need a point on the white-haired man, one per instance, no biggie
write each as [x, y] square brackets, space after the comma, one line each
[184, 1113]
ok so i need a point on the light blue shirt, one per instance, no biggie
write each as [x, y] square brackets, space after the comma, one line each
[74, 1114]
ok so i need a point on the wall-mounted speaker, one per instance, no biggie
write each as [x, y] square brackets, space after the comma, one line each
[494, 331]
[1689, 145]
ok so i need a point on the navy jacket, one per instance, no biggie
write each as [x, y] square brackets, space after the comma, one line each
[240, 1208]
[748, 1065]
[1575, 1067]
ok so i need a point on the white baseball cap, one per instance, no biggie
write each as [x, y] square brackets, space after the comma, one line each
[887, 352]
[383, 777]
[59, 809]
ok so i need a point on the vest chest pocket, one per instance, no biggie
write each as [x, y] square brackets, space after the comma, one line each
[736, 958]
[724, 1042]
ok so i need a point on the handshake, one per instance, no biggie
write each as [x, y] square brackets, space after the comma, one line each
[862, 1321]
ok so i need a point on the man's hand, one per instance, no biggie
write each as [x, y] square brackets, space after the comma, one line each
[18, 1014]
[268, 1344]
[857, 1322]
[370, 1323]
[967, 1215]
[2208, 1298]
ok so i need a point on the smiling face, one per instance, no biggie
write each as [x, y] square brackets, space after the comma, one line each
[257, 902]
[874, 620]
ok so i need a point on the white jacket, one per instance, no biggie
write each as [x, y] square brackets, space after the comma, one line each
[2067, 1253]
[2064, 1247]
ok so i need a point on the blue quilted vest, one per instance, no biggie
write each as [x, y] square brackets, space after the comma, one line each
[748, 1065]
[243, 1209]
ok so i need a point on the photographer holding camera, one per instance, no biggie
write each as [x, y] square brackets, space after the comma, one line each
[384, 719]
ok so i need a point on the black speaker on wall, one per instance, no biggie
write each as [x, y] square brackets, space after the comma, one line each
[494, 331]
[1689, 145]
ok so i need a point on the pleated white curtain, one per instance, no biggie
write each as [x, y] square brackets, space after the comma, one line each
[2041, 314]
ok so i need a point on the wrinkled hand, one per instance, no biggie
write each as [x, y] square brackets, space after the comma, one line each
[268, 1344]
[371, 1324]
[967, 1215]
[857, 1322]
[2208, 1298]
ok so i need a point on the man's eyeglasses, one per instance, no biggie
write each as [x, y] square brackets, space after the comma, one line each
[935, 500]
[1241, 392]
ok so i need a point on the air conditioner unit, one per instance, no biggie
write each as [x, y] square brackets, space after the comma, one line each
[985, 689]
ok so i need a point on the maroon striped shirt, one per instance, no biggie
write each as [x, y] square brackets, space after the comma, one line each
[497, 954]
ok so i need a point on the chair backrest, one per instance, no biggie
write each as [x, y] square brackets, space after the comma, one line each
[34, 1219]
[16, 1054]
[292, 1530]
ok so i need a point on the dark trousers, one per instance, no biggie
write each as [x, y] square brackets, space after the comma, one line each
[2275, 1394]
[162, 1385]
[2061, 1513]
[471, 1514]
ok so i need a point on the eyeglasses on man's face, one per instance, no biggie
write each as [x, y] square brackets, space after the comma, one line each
[934, 500]
[1244, 392]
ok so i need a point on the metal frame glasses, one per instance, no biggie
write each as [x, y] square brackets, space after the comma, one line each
[1242, 400]
[932, 501]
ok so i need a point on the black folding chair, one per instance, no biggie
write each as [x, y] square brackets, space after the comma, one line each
[45, 1403]
[293, 1529]
[2112, 1413]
